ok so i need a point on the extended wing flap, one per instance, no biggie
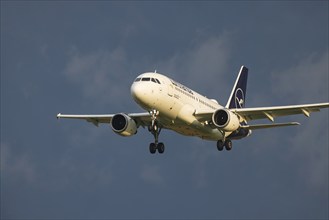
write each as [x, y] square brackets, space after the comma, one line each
[263, 126]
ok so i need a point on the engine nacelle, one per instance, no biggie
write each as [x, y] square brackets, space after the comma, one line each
[123, 125]
[225, 120]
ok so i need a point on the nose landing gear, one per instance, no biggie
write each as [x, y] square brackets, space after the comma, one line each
[155, 129]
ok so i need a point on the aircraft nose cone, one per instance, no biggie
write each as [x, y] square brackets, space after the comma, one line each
[142, 94]
[137, 92]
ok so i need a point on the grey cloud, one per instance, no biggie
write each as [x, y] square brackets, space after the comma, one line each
[100, 74]
[203, 65]
[307, 82]
[310, 145]
[152, 175]
[17, 167]
[86, 174]
[200, 155]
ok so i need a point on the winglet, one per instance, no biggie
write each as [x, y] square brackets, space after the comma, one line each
[58, 115]
[238, 95]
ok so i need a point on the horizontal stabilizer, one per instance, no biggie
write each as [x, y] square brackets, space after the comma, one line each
[263, 126]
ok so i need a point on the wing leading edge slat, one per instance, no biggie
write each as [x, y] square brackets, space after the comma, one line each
[142, 119]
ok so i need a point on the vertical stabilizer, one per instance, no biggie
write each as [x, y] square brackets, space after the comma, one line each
[238, 95]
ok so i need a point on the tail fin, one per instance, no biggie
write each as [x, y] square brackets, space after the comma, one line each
[238, 95]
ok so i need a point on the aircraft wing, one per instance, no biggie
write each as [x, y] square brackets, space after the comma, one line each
[272, 112]
[142, 119]
[249, 114]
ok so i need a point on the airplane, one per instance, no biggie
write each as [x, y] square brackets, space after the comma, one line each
[171, 105]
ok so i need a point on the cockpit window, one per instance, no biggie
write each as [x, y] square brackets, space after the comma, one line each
[147, 79]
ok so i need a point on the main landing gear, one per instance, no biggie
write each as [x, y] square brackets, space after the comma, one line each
[155, 129]
[227, 144]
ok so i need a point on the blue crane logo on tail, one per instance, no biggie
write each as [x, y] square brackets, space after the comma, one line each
[239, 98]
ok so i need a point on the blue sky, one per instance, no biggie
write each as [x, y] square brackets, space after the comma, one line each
[81, 57]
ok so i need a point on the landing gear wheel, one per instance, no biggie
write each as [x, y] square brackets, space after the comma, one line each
[153, 148]
[220, 145]
[161, 148]
[228, 145]
[155, 129]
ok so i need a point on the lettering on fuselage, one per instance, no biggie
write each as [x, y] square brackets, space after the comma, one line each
[181, 87]
[189, 93]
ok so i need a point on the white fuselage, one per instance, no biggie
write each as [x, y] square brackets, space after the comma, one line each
[176, 104]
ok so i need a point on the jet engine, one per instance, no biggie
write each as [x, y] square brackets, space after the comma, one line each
[225, 120]
[123, 125]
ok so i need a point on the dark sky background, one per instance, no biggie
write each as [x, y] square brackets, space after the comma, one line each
[81, 57]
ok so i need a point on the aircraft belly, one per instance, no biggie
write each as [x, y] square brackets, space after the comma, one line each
[178, 116]
[194, 129]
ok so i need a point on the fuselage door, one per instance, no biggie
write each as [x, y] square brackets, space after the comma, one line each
[170, 89]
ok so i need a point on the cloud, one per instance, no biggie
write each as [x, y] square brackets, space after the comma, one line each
[84, 175]
[101, 74]
[312, 149]
[19, 167]
[151, 174]
[203, 64]
[200, 156]
[307, 82]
